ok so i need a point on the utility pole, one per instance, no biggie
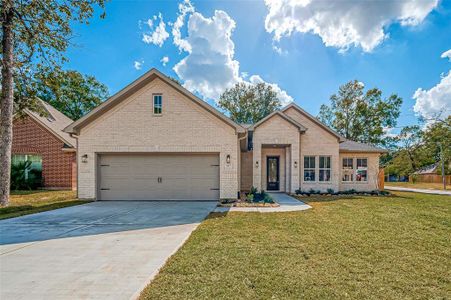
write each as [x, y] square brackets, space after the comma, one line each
[442, 158]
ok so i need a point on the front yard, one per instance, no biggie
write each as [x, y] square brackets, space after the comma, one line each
[344, 247]
[30, 202]
[418, 185]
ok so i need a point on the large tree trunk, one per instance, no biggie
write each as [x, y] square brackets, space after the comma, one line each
[6, 108]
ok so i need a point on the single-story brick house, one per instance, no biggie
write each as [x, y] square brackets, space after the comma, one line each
[156, 140]
[41, 140]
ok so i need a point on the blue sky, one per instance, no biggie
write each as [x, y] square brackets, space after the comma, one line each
[395, 46]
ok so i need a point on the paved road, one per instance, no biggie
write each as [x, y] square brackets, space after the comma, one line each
[424, 191]
[100, 250]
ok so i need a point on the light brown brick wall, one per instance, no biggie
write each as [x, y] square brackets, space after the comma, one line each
[58, 166]
[317, 141]
[275, 130]
[373, 172]
[183, 127]
[246, 171]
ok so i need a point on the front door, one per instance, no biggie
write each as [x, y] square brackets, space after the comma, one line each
[272, 173]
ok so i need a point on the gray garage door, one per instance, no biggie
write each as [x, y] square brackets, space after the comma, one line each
[159, 177]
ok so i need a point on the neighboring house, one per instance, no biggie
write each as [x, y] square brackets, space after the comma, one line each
[428, 170]
[156, 140]
[41, 139]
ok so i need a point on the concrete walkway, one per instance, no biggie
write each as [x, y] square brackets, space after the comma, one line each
[100, 250]
[424, 191]
[287, 203]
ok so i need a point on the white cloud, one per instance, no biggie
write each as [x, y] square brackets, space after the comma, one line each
[389, 132]
[343, 24]
[209, 68]
[164, 60]
[159, 35]
[281, 94]
[185, 8]
[437, 100]
[138, 64]
[446, 54]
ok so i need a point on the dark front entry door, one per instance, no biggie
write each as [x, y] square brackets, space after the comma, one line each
[272, 173]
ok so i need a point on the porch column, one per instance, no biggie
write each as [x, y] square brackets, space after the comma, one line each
[287, 169]
[295, 167]
[257, 166]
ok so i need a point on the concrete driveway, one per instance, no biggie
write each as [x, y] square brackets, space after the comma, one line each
[100, 250]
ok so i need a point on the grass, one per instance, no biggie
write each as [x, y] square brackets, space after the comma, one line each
[345, 247]
[30, 202]
[419, 185]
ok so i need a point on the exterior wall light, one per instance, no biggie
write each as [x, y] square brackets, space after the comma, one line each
[295, 164]
[256, 164]
[228, 159]
[84, 158]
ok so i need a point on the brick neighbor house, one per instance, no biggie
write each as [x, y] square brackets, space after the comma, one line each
[41, 140]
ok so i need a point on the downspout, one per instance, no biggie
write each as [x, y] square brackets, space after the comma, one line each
[239, 162]
[76, 157]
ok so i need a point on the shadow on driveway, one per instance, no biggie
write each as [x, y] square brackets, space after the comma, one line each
[102, 217]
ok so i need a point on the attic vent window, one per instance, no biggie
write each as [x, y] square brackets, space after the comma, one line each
[157, 104]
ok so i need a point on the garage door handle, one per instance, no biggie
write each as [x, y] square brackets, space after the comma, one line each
[104, 189]
[160, 180]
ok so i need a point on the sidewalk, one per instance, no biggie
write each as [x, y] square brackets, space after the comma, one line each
[286, 202]
[424, 191]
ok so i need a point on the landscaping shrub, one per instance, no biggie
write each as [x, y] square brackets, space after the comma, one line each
[255, 196]
[23, 177]
[330, 191]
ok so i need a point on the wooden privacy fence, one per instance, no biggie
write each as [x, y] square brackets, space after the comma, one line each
[430, 178]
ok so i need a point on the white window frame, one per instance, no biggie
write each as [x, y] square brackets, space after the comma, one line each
[351, 168]
[161, 104]
[325, 168]
[309, 168]
[365, 168]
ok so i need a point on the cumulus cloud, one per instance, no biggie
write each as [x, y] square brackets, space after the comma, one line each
[343, 24]
[209, 68]
[281, 94]
[164, 60]
[185, 8]
[446, 54]
[437, 100]
[138, 64]
[157, 36]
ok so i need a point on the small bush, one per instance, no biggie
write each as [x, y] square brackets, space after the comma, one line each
[330, 191]
[250, 197]
[20, 180]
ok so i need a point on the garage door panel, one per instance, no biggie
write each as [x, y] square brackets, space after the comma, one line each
[159, 177]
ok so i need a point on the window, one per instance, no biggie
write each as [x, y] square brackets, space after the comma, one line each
[324, 168]
[362, 169]
[348, 172]
[157, 104]
[309, 168]
[35, 163]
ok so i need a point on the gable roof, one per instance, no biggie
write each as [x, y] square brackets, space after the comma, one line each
[429, 169]
[284, 116]
[135, 86]
[55, 122]
[351, 146]
[314, 120]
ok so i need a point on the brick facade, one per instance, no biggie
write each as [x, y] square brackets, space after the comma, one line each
[183, 127]
[58, 166]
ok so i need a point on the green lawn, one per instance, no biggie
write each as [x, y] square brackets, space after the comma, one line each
[419, 185]
[395, 247]
[30, 202]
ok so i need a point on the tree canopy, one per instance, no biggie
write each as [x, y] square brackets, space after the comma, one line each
[361, 116]
[70, 92]
[34, 36]
[249, 103]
